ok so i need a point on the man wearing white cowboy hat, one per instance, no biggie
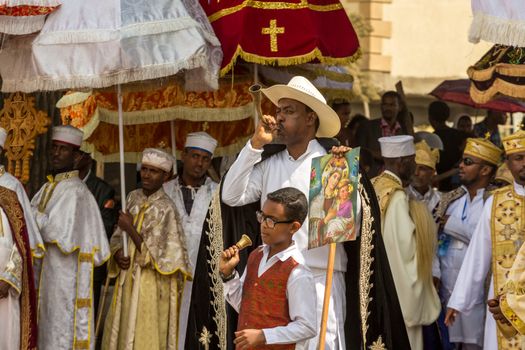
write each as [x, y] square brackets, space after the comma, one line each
[302, 115]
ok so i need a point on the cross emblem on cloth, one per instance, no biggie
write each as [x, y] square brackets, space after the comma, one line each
[273, 30]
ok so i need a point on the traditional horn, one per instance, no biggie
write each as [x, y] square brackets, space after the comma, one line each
[244, 242]
[255, 91]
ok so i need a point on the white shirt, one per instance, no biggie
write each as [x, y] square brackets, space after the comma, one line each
[474, 270]
[431, 198]
[300, 292]
[463, 217]
[249, 180]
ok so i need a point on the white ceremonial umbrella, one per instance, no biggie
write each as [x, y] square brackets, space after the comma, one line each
[101, 43]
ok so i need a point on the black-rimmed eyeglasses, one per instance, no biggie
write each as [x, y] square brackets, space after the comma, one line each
[269, 221]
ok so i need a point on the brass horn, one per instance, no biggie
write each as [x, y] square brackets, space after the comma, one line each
[255, 91]
[244, 242]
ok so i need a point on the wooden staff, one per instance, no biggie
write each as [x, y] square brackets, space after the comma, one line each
[327, 292]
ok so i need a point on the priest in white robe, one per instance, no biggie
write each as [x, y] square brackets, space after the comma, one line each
[9, 181]
[73, 231]
[191, 192]
[494, 246]
[409, 234]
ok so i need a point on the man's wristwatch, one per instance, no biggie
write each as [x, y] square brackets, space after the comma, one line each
[227, 278]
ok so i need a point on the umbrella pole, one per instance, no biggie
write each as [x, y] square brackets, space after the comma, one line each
[122, 170]
[256, 81]
[173, 146]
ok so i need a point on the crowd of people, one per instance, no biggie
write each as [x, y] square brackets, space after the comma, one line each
[435, 260]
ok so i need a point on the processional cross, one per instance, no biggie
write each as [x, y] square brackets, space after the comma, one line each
[273, 30]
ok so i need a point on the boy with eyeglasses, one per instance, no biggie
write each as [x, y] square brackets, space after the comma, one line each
[276, 295]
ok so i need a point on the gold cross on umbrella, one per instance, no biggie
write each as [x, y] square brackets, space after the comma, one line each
[273, 30]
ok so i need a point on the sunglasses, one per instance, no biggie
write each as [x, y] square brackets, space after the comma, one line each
[269, 221]
[469, 161]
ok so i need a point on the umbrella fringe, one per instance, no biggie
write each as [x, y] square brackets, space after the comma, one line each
[498, 86]
[21, 25]
[315, 54]
[200, 60]
[497, 30]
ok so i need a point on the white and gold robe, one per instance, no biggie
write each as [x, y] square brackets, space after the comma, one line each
[73, 231]
[417, 297]
[35, 239]
[477, 265]
[145, 309]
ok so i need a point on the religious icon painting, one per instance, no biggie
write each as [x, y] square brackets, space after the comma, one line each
[333, 199]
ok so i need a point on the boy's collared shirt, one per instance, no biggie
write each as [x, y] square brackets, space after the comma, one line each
[301, 294]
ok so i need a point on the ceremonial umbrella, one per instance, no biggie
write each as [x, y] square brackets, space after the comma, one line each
[457, 91]
[100, 43]
[19, 17]
[162, 114]
[282, 33]
[501, 70]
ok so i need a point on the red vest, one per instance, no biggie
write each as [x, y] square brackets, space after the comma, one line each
[264, 303]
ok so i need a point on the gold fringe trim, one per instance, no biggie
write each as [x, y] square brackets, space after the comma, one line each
[168, 114]
[178, 113]
[288, 61]
[498, 86]
[279, 5]
[365, 271]
[507, 69]
[328, 93]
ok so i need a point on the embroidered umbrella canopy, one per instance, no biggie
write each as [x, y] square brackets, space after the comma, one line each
[282, 33]
[161, 114]
[100, 43]
[19, 17]
[501, 70]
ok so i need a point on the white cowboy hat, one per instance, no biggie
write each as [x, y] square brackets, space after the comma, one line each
[302, 90]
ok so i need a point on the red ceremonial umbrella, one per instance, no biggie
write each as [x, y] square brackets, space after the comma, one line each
[458, 91]
[268, 32]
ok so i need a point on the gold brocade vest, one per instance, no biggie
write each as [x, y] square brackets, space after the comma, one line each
[507, 235]
[385, 185]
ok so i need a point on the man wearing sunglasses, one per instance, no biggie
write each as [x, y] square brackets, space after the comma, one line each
[495, 243]
[457, 215]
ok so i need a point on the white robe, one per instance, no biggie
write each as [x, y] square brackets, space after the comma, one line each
[192, 226]
[35, 240]
[249, 180]
[10, 272]
[476, 265]
[464, 215]
[418, 300]
[76, 241]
